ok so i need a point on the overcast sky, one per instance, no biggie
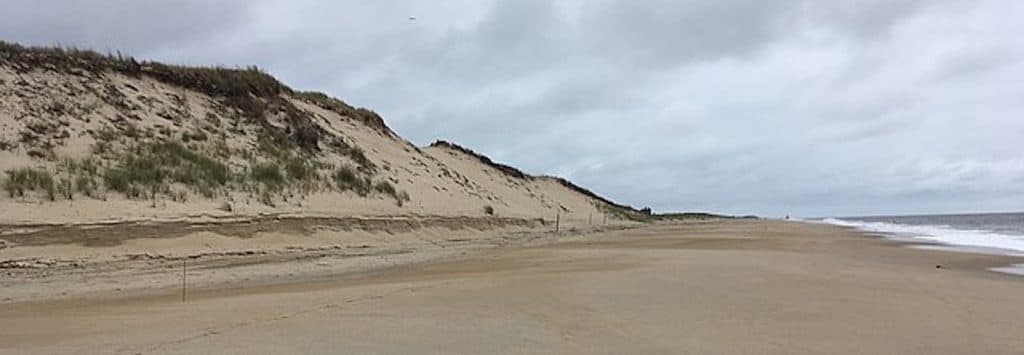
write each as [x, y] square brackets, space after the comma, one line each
[772, 107]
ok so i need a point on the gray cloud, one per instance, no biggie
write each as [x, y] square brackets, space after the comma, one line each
[743, 106]
[128, 25]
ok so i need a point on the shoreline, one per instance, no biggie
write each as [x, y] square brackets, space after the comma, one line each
[1013, 268]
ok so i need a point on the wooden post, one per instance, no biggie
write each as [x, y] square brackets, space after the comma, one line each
[558, 218]
[184, 276]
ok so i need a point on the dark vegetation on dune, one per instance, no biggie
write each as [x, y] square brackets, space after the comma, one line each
[620, 210]
[697, 215]
[250, 90]
[508, 170]
[568, 184]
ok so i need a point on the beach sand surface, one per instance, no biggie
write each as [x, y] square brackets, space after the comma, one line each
[723, 287]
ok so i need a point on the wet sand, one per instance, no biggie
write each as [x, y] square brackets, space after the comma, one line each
[729, 287]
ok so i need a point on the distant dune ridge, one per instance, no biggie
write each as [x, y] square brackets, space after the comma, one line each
[87, 137]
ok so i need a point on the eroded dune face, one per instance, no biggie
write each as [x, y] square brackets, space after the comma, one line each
[86, 138]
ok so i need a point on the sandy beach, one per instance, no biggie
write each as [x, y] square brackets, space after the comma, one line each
[728, 287]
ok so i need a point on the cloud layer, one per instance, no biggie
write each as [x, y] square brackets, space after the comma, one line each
[740, 106]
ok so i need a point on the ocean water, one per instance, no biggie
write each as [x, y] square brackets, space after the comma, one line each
[989, 232]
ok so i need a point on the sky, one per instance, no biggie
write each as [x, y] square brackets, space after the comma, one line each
[768, 107]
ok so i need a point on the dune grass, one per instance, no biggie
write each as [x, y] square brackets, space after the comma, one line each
[386, 188]
[348, 179]
[19, 181]
[153, 166]
[128, 161]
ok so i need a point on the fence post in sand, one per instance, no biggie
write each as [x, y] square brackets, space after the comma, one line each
[184, 276]
[558, 219]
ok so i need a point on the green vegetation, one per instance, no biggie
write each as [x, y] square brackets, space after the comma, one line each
[148, 170]
[173, 163]
[153, 166]
[66, 188]
[357, 155]
[696, 216]
[214, 81]
[386, 188]
[507, 170]
[299, 169]
[86, 185]
[267, 174]
[626, 214]
[367, 117]
[105, 134]
[22, 180]
[645, 215]
[196, 135]
[249, 92]
[347, 179]
[82, 176]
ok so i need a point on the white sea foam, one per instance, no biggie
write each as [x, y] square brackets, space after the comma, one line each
[1016, 269]
[1010, 244]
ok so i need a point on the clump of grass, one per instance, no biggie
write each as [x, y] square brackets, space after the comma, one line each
[179, 196]
[101, 148]
[267, 199]
[385, 187]
[21, 180]
[196, 135]
[66, 188]
[78, 176]
[86, 185]
[347, 179]
[352, 152]
[267, 174]
[221, 149]
[299, 169]
[151, 166]
[132, 131]
[272, 146]
[105, 134]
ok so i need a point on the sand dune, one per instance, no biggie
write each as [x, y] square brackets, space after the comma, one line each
[242, 144]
